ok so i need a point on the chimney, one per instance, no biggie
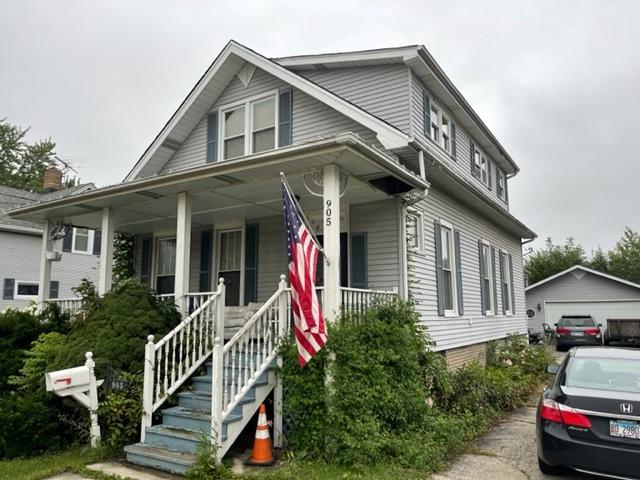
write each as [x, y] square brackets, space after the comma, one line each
[52, 180]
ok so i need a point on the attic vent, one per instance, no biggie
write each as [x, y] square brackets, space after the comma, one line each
[578, 274]
[171, 144]
[246, 74]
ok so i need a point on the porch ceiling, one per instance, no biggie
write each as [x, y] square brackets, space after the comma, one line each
[235, 190]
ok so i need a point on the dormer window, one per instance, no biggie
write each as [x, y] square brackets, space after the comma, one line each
[250, 127]
[446, 134]
[435, 124]
[484, 170]
[501, 184]
[481, 166]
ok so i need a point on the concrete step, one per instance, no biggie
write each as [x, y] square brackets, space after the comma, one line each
[197, 421]
[159, 458]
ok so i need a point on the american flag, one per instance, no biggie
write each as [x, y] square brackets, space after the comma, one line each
[302, 252]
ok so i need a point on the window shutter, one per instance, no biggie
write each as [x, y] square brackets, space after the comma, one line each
[212, 137]
[54, 288]
[495, 289]
[205, 261]
[359, 260]
[97, 240]
[145, 259]
[472, 151]
[9, 285]
[285, 117]
[250, 263]
[482, 274]
[502, 292]
[68, 238]
[454, 149]
[439, 273]
[456, 238]
[513, 293]
[426, 114]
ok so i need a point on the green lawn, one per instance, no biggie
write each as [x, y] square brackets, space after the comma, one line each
[44, 466]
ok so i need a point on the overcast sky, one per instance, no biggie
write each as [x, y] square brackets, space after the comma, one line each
[558, 82]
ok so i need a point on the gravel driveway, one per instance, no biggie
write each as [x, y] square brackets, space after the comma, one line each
[507, 452]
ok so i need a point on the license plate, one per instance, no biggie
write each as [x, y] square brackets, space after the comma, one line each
[624, 429]
[577, 334]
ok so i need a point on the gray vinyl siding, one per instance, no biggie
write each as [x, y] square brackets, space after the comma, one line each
[462, 163]
[472, 327]
[272, 256]
[380, 221]
[20, 260]
[570, 288]
[381, 90]
[311, 120]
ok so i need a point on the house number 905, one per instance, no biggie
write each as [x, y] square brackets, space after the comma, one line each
[327, 213]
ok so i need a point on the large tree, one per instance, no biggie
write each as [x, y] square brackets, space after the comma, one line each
[624, 258]
[553, 259]
[22, 164]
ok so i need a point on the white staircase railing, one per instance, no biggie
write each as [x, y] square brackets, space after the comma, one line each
[246, 356]
[68, 305]
[171, 361]
[358, 300]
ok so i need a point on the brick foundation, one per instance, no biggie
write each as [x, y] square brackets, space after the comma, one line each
[459, 357]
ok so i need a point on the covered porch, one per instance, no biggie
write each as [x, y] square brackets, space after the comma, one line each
[224, 220]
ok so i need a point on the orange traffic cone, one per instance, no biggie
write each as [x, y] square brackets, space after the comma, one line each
[262, 454]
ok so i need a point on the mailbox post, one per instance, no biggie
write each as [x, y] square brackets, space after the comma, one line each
[81, 384]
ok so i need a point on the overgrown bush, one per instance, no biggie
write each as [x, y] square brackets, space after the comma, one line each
[392, 401]
[120, 412]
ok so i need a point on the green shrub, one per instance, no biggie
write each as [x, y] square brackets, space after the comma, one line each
[116, 327]
[17, 330]
[120, 412]
[43, 353]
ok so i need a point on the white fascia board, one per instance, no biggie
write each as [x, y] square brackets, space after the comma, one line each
[347, 57]
[21, 229]
[389, 136]
[586, 269]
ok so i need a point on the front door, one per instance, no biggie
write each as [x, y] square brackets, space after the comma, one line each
[230, 264]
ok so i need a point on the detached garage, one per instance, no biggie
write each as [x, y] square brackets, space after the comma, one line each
[581, 291]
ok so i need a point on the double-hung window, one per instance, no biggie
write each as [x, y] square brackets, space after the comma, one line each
[440, 128]
[82, 240]
[501, 184]
[249, 128]
[448, 270]
[166, 261]
[505, 279]
[487, 279]
[435, 124]
[414, 231]
[484, 170]
[481, 166]
[446, 134]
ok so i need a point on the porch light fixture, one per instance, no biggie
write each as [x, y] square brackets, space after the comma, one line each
[314, 182]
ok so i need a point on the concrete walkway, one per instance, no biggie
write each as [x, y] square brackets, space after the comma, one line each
[507, 452]
[120, 470]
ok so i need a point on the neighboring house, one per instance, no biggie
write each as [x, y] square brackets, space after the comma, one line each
[581, 291]
[404, 182]
[21, 245]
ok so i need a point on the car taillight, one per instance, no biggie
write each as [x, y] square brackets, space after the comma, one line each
[563, 331]
[592, 331]
[558, 413]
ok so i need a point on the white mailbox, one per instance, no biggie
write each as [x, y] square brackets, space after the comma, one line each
[81, 384]
[68, 379]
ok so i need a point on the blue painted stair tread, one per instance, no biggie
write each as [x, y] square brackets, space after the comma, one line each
[160, 458]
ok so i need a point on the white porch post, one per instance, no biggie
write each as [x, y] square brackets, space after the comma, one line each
[106, 252]
[331, 232]
[183, 249]
[44, 279]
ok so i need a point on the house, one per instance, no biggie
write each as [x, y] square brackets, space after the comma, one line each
[405, 184]
[21, 244]
[581, 291]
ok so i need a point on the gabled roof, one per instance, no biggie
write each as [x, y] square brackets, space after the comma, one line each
[212, 84]
[12, 198]
[585, 269]
[422, 63]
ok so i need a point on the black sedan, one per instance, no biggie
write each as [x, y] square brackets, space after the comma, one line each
[589, 419]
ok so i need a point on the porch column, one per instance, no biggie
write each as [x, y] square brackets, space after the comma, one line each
[44, 279]
[183, 248]
[106, 252]
[331, 232]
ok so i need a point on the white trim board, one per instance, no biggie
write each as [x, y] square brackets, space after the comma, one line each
[586, 269]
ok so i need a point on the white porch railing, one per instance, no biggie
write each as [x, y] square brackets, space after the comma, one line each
[67, 305]
[246, 356]
[357, 300]
[171, 361]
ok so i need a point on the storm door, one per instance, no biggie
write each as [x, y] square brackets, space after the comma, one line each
[230, 264]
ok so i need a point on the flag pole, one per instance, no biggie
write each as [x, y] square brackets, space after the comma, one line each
[283, 179]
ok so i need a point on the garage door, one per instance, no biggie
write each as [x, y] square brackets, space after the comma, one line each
[600, 311]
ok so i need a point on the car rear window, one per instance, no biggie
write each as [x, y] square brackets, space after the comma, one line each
[615, 374]
[576, 322]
